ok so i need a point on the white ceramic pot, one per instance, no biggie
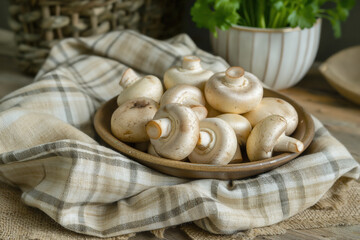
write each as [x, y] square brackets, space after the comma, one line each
[279, 57]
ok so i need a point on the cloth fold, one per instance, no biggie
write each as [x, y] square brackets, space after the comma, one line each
[49, 149]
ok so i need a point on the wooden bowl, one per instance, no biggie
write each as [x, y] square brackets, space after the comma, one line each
[342, 71]
[304, 132]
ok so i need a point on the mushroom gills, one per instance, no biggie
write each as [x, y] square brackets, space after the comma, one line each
[174, 131]
[217, 143]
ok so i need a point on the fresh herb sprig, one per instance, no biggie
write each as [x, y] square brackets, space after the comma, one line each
[222, 14]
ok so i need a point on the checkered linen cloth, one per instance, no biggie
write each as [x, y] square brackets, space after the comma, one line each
[48, 150]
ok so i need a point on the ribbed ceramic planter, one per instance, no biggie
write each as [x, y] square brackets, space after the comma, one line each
[279, 57]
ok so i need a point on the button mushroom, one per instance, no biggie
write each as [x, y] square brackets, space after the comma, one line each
[274, 106]
[268, 136]
[217, 143]
[190, 73]
[211, 111]
[233, 91]
[174, 131]
[241, 126]
[187, 95]
[242, 129]
[135, 87]
[237, 158]
[129, 119]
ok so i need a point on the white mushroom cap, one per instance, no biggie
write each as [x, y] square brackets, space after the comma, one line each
[190, 73]
[217, 143]
[268, 136]
[135, 87]
[187, 95]
[174, 131]
[211, 111]
[233, 91]
[129, 119]
[241, 126]
[274, 106]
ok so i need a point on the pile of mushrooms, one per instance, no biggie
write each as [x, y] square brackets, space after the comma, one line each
[203, 117]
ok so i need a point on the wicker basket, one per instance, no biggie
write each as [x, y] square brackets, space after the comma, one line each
[39, 24]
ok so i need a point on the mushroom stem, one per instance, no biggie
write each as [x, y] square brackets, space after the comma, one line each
[128, 78]
[206, 138]
[235, 76]
[288, 144]
[158, 128]
[191, 63]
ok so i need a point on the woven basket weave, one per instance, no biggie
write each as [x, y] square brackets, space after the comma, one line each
[40, 24]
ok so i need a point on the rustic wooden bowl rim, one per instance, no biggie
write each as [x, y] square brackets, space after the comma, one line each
[192, 170]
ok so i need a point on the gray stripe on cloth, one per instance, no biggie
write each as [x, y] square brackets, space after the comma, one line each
[332, 161]
[214, 188]
[94, 183]
[80, 79]
[92, 106]
[97, 40]
[147, 221]
[66, 191]
[208, 222]
[117, 73]
[174, 198]
[59, 45]
[161, 203]
[73, 150]
[254, 184]
[54, 201]
[300, 187]
[157, 46]
[112, 43]
[132, 180]
[53, 59]
[244, 193]
[41, 91]
[284, 199]
[65, 100]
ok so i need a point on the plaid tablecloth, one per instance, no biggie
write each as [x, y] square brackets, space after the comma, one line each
[48, 148]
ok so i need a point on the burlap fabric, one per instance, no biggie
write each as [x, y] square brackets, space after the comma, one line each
[49, 151]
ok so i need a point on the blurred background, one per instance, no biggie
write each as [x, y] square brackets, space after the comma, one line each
[328, 44]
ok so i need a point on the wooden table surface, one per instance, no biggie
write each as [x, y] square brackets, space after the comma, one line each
[341, 117]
